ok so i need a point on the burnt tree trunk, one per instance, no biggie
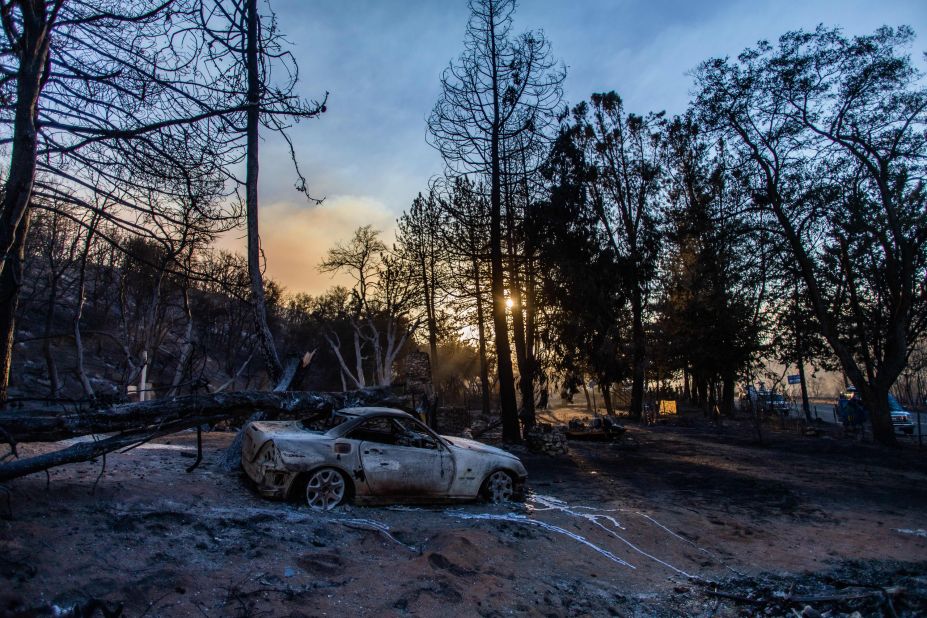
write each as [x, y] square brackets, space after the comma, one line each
[638, 353]
[186, 348]
[11, 280]
[525, 288]
[531, 370]
[428, 290]
[727, 395]
[258, 303]
[33, 54]
[519, 328]
[481, 328]
[607, 399]
[701, 393]
[518, 320]
[805, 403]
[79, 312]
[54, 276]
[875, 398]
[507, 401]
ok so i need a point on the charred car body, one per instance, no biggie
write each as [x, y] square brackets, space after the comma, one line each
[373, 455]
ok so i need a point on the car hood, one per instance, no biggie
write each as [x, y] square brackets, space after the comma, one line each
[473, 445]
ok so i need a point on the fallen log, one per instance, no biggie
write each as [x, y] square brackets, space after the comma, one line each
[135, 423]
[51, 424]
[232, 459]
[82, 451]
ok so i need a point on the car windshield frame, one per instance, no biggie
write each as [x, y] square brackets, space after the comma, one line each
[353, 419]
[325, 421]
[345, 430]
[431, 432]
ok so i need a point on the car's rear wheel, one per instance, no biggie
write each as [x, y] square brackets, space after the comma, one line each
[499, 487]
[326, 488]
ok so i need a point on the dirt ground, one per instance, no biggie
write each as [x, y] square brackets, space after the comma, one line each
[677, 519]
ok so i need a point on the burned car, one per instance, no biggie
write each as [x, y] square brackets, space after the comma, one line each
[373, 455]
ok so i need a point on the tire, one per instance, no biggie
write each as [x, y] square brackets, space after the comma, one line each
[498, 488]
[325, 489]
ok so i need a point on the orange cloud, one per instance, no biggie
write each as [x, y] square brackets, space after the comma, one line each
[296, 237]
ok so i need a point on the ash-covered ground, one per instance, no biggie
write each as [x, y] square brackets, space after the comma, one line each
[674, 519]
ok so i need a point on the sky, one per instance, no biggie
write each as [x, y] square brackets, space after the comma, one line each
[381, 60]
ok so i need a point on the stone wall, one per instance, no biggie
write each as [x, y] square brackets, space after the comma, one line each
[545, 438]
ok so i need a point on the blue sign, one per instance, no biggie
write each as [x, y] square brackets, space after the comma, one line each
[796, 379]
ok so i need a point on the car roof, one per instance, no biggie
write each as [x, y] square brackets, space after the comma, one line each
[374, 411]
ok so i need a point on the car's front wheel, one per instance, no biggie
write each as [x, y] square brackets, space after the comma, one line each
[325, 489]
[499, 487]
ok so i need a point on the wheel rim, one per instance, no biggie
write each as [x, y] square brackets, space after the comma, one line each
[500, 487]
[325, 490]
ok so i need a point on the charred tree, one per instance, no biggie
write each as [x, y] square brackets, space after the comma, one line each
[11, 280]
[501, 87]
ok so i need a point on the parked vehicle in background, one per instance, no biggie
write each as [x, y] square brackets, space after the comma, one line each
[902, 419]
[765, 402]
[774, 403]
[852, 411]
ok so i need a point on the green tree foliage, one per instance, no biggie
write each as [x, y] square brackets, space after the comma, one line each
[713, 278]
[418, 244]
[617, 173]
[585, 319]
[832, 131]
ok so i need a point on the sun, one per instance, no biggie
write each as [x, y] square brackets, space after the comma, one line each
[508, 303]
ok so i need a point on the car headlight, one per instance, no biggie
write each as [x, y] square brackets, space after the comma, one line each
[271, 457]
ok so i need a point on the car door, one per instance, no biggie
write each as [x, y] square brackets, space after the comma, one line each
[398, 461]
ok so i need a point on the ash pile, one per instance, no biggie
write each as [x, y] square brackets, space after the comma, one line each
[545, 438]
[854, 589]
